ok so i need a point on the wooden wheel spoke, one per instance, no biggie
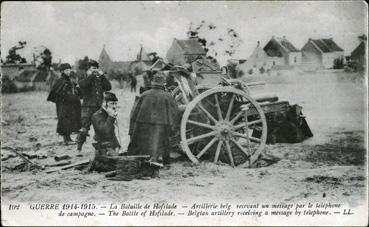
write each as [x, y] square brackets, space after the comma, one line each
[219, 147]
[230, 107]
[241, 147]
[220, 117]
[200, 124]
[246, 124]
[239, 114]
[240, 135]
[200, 137]
[229, 151]
[253, 139]
[207, 113]
[206, 147]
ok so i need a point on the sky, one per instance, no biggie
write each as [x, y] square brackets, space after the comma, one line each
[72, 30]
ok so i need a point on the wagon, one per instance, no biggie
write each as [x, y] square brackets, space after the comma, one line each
[221, 121]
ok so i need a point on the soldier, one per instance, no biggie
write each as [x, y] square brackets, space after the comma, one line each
[103, 122]
[65, 95]
[153, 120]
[92, 88]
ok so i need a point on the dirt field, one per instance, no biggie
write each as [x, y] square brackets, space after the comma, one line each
[331, 166]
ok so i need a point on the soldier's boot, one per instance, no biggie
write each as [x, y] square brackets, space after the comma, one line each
[67, 140]
[81, 138]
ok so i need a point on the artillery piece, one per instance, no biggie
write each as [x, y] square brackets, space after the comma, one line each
[222, 121]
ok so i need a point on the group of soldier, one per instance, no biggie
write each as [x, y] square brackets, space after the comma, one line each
[153, 117]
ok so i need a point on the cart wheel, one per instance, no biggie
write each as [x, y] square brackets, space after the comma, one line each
[227, 125]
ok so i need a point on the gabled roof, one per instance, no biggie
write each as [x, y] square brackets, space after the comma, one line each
[326, 45]
[359, 50]
[142, 55]
[277, 46]
[284, 43]
[104, 56]
[190, 46]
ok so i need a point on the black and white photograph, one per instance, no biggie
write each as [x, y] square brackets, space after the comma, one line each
[184, 113]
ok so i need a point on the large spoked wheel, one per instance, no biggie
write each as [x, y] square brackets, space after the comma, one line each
[223, 124]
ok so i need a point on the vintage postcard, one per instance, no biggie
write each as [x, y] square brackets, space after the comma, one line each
[251, 113]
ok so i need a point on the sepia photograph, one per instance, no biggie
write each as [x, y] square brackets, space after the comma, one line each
[184, 113]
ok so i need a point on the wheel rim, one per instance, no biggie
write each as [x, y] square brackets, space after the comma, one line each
[222, 130]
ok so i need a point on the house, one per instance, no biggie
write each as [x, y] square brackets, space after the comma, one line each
[184, 52]
[321, 53]
[141, 63]
[12, 69]
[358, 56]
[282, 52]
[258, 62]
[33, 79]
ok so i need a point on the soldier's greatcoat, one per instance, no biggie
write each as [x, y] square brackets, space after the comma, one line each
[65, 95]
[104, 129]
[152, 122]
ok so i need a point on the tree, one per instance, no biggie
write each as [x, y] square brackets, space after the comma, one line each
[362, 38]
[43, 59]
[216, 41]
[13, 57]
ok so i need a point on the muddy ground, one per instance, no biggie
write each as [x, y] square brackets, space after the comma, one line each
[329, 167]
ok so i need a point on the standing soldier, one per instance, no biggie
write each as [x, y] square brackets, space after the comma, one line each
[133, 82]
[154, 119]
[92, 88]
[65, 95]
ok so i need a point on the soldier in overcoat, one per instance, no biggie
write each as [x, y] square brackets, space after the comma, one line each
[153, 121]
[65, 94]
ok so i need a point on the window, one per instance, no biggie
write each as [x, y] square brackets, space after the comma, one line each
[295, 59]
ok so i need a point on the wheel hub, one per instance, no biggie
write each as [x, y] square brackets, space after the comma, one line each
[224, 130]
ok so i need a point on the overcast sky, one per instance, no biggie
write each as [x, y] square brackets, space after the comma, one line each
[76, 29]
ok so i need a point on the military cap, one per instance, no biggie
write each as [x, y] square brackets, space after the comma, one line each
[93, 63]
[158, 79]
[65, 66]
[110, 97]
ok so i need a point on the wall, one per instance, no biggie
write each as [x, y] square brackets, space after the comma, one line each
[175, 55]
[311, 58]
[12, 70]
[294, 58]
[328, 58]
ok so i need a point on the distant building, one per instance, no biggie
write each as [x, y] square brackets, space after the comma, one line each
[141, 63]
[185, 51]
[258, 62]
[282, 52]
[358, 56]
[321, 53]
[12, 70]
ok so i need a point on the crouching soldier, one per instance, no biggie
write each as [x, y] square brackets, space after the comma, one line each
[103, 122]
[92, 88]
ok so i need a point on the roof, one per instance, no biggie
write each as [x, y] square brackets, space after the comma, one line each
[326, 45]
[142, 55]
[287, 45]
[359, 50]
[277, 46]
[191, 46]
[104, 56]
